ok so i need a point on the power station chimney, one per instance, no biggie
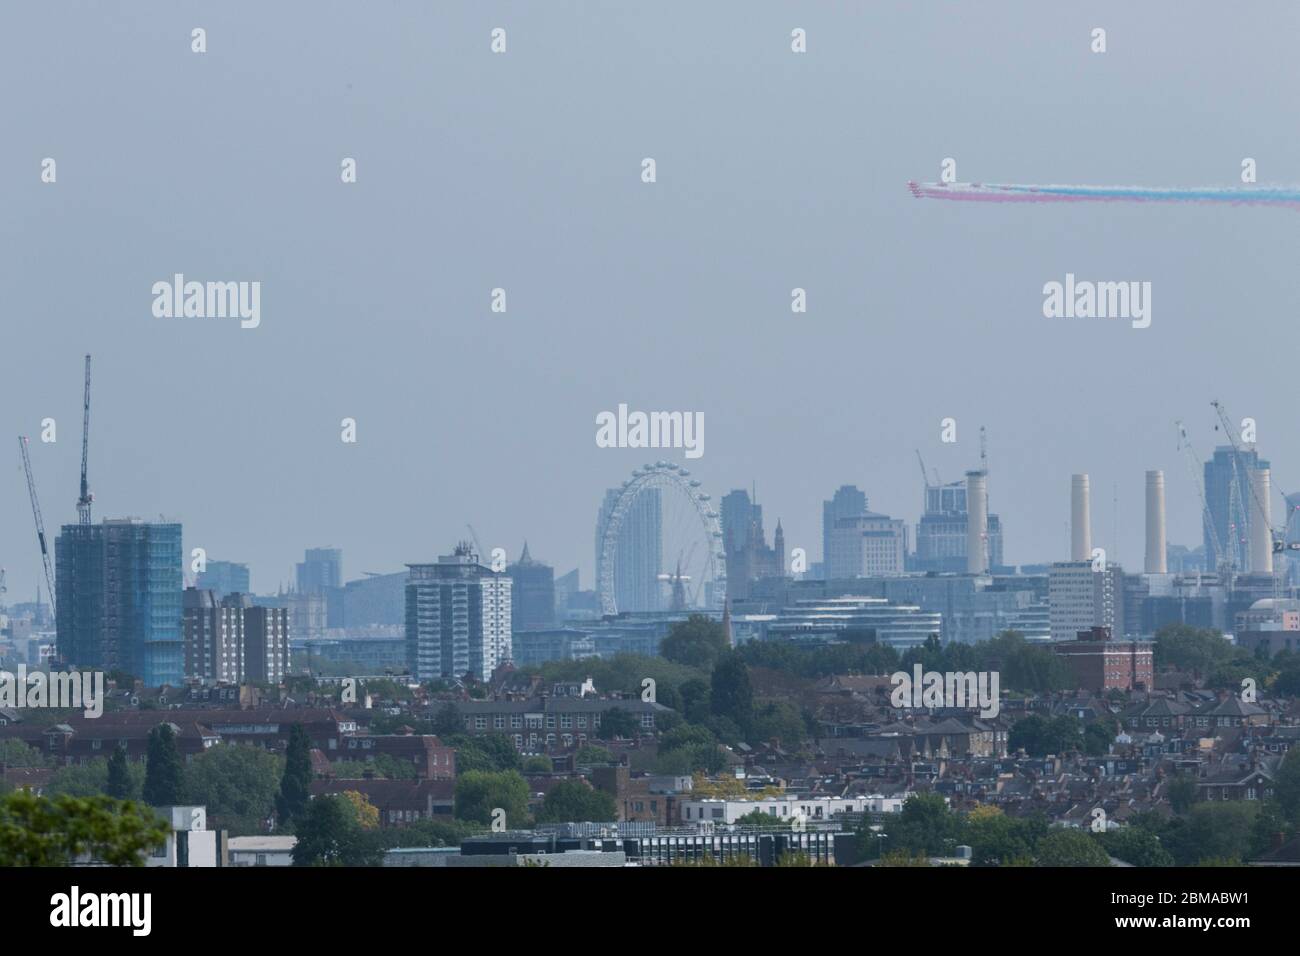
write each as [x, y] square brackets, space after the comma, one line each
[1261, 535]
[1156, 523]
[1080, 519]
[977, 521]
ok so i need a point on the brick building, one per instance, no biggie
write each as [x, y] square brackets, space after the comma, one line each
[1100, 663]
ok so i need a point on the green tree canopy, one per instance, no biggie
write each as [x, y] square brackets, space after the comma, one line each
[119, 783]
[295, 784]
[617, 723]
[16, 753]
[1196, 649]
[731, 693]
[479, 792]
[696, 642]
[1039, 736]
[330, 834]
[164, 774]
[237, 784]
[490, 751]
[44, 831]
[1136, 846]
[1065, 847]
[572, 801]
[591, 756]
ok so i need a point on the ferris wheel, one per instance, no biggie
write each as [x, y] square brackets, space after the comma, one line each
[691, 571]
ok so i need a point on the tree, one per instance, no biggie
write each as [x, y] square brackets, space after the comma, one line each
[540, 764]
[1070, 848]
[16, 753]
[1136, 846]
[996, 839]
[731, 693]
[164, 774]
[493, 752]
[591, 755]
[295, 785]
[1182, 792]
[1190, 648]
[757, 818]
[1219, 830]
[237, 784]
[434, 833]
[367, 814]
[1287, 786]
[1287, 683]
[1096, 739]
[696, 705]
[686, 749]
[780, 721]
[1039, 736]
[616, 723]
[480, 792]
[448, 721]
[1269, 830]
[119, 784]
[925, 825]
[573, 801]
[43, 831]
[696, 642]
[329, 834]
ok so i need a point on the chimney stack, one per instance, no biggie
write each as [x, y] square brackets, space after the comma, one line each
[1261, 535]
[1080, 519]
[977, 521]
[1155, 563]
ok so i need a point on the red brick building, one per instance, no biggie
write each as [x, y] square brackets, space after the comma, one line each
[1099, 662]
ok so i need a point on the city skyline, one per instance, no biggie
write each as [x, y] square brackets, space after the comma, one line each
[1103, 523]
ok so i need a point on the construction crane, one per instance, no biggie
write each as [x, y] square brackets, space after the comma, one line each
[1225, 563]
[40, 522]
[83, 503]
[921, 460]
[1277, 539]
[478, 544]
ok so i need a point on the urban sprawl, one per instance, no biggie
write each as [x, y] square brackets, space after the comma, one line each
[708, 700]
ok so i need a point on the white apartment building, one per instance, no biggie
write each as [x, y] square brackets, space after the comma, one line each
[457, 618]
[865, 545]
[1080, 598]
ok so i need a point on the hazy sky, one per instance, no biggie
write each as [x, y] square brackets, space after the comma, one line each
[522, 171]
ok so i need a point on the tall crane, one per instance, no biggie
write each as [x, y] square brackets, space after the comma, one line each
[477, 543]
[1277, 540]
[40, 522]
[83, 503]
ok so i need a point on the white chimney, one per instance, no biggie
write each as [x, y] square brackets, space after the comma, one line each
[977, 522]
[1080, 519]
[1261, 535]
[1156, 523]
